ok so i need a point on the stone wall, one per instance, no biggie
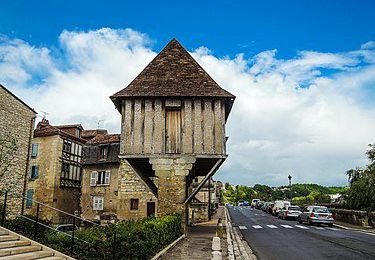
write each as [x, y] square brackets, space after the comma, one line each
[109, 192]
[46, 184]
[354, 217]
[198, 212]
[130, 186]
[18, 119]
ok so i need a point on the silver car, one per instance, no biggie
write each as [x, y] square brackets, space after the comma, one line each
[290, 212]
[316, 215]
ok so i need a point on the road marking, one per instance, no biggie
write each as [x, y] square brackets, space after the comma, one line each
[272, 226]
[331, 228]
[303, 227]
[257, 226]
[286, 226]
[256, 214]
[242, 227]
[319, 228]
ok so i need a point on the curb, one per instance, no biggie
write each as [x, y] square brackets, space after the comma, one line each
[369, 232]
[238, 248]
[165, 250]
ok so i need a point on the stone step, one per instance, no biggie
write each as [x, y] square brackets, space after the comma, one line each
[29, 256]
[19, 250]
[3, 232]
[15, 243]
[8, 238]
[54, 258]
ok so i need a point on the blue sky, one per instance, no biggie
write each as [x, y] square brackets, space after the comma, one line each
[303, 73]
[228, 27]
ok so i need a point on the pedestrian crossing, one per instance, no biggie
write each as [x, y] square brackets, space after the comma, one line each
[243, 227]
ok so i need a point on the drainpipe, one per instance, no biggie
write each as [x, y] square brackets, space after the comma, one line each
[32, 121]
[209, 199]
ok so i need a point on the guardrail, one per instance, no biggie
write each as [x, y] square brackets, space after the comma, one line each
[75, 222]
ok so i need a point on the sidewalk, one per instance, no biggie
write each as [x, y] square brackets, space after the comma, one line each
[345, 225]
[198, 244]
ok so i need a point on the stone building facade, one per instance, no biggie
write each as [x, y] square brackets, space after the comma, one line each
[173, 129]
[99, 177]
[16, 119]
[55, 172]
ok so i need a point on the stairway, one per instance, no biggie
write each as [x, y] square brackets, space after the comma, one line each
[17, 247]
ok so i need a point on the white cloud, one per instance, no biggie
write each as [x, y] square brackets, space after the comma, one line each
[290, 116]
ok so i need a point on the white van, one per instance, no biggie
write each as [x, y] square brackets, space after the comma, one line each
[279, 204]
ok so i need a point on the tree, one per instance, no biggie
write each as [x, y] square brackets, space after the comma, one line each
[8, 149]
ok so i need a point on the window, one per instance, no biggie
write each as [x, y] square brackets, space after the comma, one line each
[103, 152]
[78, 132]
[65, 170]
[34, 150]
[29, 197]
[98, 203]
[134, 204]
[34, 172]
[100, 178]
[67, 146]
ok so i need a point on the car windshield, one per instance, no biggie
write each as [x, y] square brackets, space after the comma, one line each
[321, 210]
[293, 208]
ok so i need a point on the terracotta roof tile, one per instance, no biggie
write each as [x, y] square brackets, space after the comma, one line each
[105, 139]
[173, 73]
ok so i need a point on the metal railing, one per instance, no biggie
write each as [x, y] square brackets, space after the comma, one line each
[77, 223]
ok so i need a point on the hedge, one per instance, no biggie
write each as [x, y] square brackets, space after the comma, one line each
[140, 239]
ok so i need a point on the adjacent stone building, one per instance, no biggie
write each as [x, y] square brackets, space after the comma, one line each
[55, 171]
[16, 120]
[100, 177]
[173, 130]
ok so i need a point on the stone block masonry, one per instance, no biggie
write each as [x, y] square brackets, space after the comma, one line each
[18, 119]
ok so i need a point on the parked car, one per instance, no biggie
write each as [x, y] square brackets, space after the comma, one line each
[265, 205]
[240, 203]
[316, 215]
[67, 228]
[228, 204]
[245, 203]
[290, 212]
[259, 204]
[269, 208]
[254, 202]
[279, 204]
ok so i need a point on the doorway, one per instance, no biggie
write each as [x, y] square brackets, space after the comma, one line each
[150, 209]
[173, 131]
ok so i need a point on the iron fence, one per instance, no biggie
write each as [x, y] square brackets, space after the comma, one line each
[35, 226]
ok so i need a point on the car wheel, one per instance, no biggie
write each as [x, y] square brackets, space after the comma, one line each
[300, 220]
[309, 222]
[330, 225]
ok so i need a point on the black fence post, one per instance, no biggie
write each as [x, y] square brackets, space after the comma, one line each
[36, 222]
[72, 242]
[4, 209]
[114, 246]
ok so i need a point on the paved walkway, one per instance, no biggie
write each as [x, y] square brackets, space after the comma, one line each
[198, 244]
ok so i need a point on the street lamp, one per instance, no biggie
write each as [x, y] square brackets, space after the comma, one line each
[290, 187]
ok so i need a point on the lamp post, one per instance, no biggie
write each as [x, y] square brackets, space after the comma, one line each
[290, 186]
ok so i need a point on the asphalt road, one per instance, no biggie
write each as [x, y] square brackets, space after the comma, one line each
[273, 238]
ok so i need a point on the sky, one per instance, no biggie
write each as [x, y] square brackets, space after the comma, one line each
[303, 73]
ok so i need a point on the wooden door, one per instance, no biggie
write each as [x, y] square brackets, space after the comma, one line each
[173, 131]
[150, 209]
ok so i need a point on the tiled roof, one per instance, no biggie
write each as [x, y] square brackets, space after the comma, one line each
[105, 139]
[45, 129]
[88, 134]
[69, 126]
[173, 73]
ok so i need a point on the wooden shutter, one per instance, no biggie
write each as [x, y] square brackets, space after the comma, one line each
[93, 178]
[107, 177]
[173, 131]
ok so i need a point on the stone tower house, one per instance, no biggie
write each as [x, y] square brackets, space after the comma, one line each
[173, 129]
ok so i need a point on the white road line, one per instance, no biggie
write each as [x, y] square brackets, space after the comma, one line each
[286, 226]
[257, 226]
[303, 227]
[256, 214]
[331, 228]
[272, 226]
[242, 227]
[319, 228]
